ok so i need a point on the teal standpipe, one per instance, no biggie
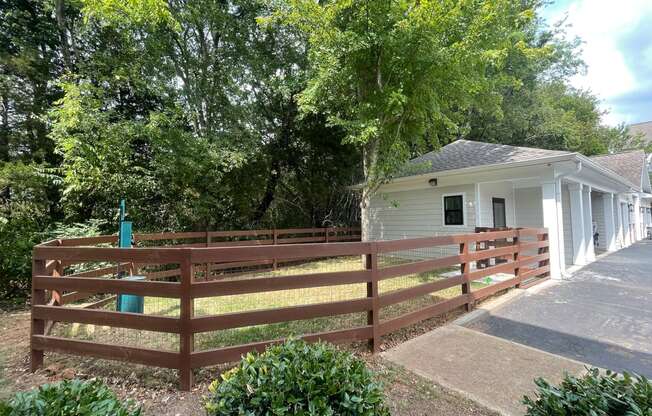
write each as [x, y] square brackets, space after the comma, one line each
[125, 302]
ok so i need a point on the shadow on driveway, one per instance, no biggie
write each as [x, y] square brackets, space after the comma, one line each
[601, 316]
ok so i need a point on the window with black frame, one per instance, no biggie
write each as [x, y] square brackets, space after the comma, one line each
[454, 210]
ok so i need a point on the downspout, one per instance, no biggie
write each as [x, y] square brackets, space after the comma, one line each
[560, 236]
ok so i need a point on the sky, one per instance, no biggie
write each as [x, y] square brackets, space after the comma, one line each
[617, 49]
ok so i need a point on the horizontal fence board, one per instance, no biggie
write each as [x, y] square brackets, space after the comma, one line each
[74, 297]
[270, 284]
[401, 295]
[159, 255]
[532, 231]
[419, 267]
[534, 282]
[479, 294]
[230, 354]
[238, 264]
[531, 245]
[88, 241]
[144, 288]
[508, 267]
[287, 252]
[108, 318]
[491, 253]
[525, 260]
[270, 316]
[492, 235]
[100, 303]
[414, 317]
[163, 274]
[388, 246]
[297, 240]
[103, 271]
[155, 358]
[169, 236]
[241, 243]
[535, 272]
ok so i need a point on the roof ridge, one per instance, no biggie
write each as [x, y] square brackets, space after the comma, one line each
[641, 122]
[515, 147]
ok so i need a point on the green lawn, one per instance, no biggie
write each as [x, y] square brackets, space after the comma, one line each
[271, 300]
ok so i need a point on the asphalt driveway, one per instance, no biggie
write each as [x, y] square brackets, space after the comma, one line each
[601, 316]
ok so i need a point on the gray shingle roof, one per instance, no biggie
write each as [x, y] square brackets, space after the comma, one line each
[629, 165]
[642, 128]
[466, 153]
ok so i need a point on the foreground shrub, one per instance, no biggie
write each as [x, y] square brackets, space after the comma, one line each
[297, 378]
[68, 398]
[593, 394]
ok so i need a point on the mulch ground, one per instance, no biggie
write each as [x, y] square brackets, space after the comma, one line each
[156, 389]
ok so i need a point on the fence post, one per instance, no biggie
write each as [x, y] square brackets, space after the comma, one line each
[517, 255]
[207, 269]
[328, 232]
[186, 337]
[275, 242]
[373, 316]
[38, 325]
[464, 270]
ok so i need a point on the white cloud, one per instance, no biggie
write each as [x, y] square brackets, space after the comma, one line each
[601, 24]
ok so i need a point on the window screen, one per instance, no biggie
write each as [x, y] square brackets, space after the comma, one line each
[454, 210]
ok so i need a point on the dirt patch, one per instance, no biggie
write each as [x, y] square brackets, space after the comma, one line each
[156, 389]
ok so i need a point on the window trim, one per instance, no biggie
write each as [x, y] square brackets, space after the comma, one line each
[443, 209]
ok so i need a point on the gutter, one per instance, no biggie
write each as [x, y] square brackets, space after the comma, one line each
[472, 169]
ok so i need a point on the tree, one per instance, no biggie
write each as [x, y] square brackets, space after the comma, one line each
[397, 75]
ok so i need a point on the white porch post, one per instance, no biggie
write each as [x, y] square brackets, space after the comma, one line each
[637, 219]
[551, 222]
[577, 221]
[627, 235]
[588, 224]
[620, 232]
[609, 237]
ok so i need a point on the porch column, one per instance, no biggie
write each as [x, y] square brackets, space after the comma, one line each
[637, 219]
[577, 223]
[620, 231]
[627, 235]
[588, 224]
[609, 234]
[551, 222]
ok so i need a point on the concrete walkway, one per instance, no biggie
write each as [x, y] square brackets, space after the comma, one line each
[601, 316]
[494, 372]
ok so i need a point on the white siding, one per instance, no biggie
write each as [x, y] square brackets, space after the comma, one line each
[598, 219]
[417, 213]
[528, 207]
[488, 191]
[567, 225]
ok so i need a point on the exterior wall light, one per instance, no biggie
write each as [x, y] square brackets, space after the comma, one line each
[432, 182]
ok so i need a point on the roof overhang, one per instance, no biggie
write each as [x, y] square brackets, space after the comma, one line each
[570, 157]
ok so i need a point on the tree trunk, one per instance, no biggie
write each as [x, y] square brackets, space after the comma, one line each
[369, 162]
[63, 33]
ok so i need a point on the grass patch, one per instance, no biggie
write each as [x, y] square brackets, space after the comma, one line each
[271, 300]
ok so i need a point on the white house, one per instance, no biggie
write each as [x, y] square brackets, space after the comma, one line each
[471, 184]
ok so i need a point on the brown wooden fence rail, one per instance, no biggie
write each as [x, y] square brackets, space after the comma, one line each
[527, 264]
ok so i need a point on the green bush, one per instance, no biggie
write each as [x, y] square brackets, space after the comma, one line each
[68, 398]
[297, 378]
[593, 394]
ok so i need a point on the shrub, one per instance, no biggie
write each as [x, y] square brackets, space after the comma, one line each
[593, 394]
[297, 378]
[68, 398]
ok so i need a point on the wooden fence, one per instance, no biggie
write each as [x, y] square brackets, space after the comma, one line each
[527, 264]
